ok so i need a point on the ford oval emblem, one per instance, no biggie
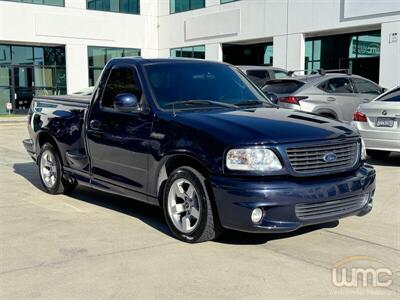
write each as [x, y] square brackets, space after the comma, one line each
[330, 157]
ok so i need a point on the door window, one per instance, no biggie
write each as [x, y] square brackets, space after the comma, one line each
[366, 87]
[337, 86]
[121, 80]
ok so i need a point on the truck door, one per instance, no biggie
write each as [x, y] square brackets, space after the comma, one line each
[118, 141]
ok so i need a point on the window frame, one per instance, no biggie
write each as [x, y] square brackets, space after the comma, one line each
[190, 9]
[116, 12]
[229, 1]
[105, 58]
[134, 71]
[192, 51]
[53, 5]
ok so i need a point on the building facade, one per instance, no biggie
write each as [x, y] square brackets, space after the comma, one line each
[58, 46]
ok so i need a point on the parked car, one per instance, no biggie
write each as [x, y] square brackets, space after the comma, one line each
[213, 152]
[332, 95]
[379, 124]
[261, 74]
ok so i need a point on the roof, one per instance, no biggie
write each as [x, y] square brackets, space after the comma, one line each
[140, 60]
[245, 68]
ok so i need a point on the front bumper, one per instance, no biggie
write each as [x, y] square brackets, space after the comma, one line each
[236, 198]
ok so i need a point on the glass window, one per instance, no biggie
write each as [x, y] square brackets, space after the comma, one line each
[176, 6]
[44, 76]
[5, 54]
[45, 2]
[268, 55]
[99, 56]
[190, 52]
[120, 6]
[369, 45]
[198, 81]
[366, 87]
[5, 76]
[391, 96]
[22, 55]
[121, 80]
[337, 86]
[5, 96]
[227, 1]
[280, 74]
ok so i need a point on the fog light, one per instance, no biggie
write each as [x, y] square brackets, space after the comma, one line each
[256, 215]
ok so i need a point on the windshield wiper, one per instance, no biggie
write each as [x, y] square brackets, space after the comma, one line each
[252, 103]
[200, 102]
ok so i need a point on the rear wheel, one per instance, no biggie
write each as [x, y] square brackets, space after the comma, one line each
[187, 207]
[50, 171]
[378, 153]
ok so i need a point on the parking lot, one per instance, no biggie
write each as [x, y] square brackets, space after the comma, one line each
[92, 245]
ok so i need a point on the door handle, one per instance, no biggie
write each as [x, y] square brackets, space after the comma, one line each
[331, 99]
[95, 124]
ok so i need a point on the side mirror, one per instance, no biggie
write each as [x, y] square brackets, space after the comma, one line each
[383, 90]
[126, 102]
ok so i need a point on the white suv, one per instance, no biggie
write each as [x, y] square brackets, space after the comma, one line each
[333, 95]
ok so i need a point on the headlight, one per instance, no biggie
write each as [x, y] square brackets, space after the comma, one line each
[363, 150]
[252, 159]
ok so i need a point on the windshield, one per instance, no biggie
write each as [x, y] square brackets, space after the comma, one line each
[174, 83]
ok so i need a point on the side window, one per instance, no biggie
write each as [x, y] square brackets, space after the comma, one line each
[337, 85]
[259, 77]
[121, 80]
[366, 87]
[279, 74]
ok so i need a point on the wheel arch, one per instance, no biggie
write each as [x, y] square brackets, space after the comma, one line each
[173, 162]
[45, 137]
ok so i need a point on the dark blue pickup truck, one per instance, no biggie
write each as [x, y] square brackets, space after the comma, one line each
[203, 142]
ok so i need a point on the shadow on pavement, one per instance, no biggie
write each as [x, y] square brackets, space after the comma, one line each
[152, 215]
[393, 160]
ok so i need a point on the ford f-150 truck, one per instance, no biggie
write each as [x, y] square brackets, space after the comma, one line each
[203, 142]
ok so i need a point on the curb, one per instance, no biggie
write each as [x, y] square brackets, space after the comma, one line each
[13, 121]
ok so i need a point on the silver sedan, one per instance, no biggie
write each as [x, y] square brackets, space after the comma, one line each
[379, 124]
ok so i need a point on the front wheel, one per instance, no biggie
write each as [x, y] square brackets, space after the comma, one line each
[187, 207]
[50, 171]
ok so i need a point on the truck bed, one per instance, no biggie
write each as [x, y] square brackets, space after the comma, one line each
[72, 100]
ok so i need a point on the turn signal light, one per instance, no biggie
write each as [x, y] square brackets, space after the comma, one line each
[359, 117]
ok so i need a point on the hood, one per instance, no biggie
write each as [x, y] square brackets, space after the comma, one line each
[264, 125]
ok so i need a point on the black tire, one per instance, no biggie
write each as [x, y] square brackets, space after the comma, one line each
[61, 185]
[378, 154]
[208, 227]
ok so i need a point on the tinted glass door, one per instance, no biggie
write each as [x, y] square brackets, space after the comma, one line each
[23, 87]
[5, 87]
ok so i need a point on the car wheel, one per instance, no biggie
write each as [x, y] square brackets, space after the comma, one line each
[187, 207]
[50, 171]
[378, 153]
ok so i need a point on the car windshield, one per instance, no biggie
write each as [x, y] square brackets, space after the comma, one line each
[201, 85]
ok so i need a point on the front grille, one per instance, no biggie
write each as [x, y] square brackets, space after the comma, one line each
[307, 160]
[312, 211]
